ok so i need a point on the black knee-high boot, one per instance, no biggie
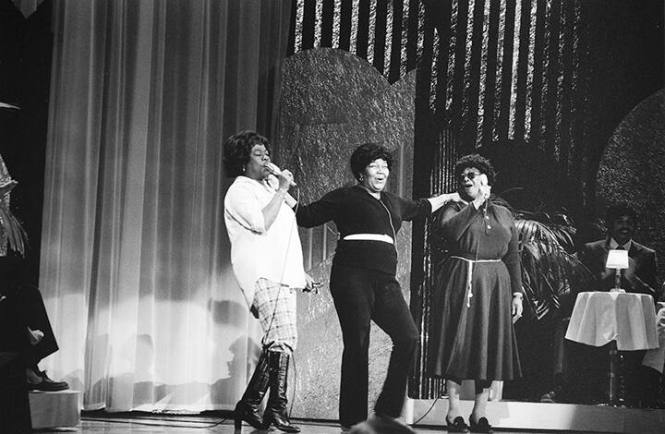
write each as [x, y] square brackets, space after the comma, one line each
[276, 414]
[247, 408]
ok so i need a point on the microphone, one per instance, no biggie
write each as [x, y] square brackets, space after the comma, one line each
[276, 171]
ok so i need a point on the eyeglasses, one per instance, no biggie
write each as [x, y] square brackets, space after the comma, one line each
[470, 175]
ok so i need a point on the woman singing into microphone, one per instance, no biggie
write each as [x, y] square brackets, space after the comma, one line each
[363, 283]
[477, 296]
[267, 261]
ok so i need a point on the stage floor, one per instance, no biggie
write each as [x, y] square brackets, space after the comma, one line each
[131, 424]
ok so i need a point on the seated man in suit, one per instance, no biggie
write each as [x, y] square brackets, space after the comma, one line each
[641, 273]
[590, 363]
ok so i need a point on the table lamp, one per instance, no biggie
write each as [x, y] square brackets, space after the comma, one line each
[617, 259]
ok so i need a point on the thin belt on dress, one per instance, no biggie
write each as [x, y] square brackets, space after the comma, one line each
[469, 275]
[369, 237]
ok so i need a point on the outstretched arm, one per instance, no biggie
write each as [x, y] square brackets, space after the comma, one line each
[321, 211]
[442, 199]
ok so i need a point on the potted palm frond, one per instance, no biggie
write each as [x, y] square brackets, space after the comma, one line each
[12, 234]
[552, 275]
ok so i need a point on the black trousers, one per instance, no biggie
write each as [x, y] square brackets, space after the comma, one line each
[24, 307]
[362, 296]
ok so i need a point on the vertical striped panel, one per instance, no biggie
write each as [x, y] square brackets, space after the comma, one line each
[308, 25]
[472, 78]
[450, 77]
[396, 43]
[326, 27]
[297, 25]
[508, 63]
[491, 71]
[414, 33]
[460, 62]
[419, 385]
[345, 19]
[442, 61]
[583, 88]
[567, 84]
[371, 34]
[436, 78]
[363, 29]
[380, 22]
[522, 59]
[551, 85]
[318, 24]
[337, 16]
[534, 111]
[386, 33]
[356, 38]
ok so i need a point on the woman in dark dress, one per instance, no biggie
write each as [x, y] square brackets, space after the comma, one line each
[363, 284]
[478, 294]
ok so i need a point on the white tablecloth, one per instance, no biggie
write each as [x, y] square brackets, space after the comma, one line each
[601, 317]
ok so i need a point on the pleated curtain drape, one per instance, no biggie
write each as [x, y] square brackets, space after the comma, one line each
[135, 265]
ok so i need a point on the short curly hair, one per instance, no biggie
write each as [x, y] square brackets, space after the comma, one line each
[476, 161]
[619, 210]
[238, 148]
[364, 154]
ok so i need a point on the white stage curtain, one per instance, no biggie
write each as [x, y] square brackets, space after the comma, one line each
[135, 258]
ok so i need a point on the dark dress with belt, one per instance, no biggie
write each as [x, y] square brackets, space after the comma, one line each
[473, 335]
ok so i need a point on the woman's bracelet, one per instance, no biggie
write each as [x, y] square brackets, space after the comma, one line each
[518, 295]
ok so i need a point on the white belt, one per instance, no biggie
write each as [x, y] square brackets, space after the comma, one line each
[469, 275]
[369, 237]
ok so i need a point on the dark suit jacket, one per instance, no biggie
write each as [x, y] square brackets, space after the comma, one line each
[594, 256]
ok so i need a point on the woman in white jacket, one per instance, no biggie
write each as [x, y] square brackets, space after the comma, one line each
[267, 261]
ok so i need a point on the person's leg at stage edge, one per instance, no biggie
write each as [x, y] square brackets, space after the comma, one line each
[392, 315]
[353, 297]
[39, 335]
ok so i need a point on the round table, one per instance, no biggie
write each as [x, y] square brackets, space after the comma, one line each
[626, 320]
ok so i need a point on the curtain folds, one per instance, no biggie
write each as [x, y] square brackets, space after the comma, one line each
[135, 258]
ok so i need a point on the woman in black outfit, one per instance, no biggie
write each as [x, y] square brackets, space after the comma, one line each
[363, 283]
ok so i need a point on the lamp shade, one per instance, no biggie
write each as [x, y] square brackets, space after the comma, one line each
[617, 259]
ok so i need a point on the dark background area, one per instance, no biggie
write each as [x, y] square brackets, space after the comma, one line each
[26, 46]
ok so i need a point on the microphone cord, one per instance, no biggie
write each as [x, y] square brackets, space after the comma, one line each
[279, 291]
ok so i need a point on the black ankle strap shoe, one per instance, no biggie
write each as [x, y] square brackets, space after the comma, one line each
[482, 425]
[457, 425]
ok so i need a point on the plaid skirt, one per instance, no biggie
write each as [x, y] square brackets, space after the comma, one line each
[276, 307]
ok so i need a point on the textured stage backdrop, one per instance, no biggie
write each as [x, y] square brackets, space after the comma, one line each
[631, 170]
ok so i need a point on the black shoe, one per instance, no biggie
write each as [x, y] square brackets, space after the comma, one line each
[276, 414]
[248, 406]
[47, 385]
[247, 413]
[457, 425]
[482, 425]
[551, 396]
